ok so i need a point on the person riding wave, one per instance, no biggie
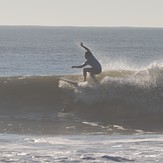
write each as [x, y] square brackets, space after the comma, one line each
[91, 61]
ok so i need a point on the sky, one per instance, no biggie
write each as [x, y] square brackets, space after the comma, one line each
[135, 13]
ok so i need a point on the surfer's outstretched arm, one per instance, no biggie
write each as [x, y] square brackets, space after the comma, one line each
[85, 47]
[80, 66]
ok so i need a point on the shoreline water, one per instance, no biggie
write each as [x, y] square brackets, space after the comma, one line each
[81, 148]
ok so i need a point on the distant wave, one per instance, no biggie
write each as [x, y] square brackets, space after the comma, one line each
[131, 98]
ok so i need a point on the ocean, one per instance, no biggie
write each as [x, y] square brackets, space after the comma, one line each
[46, 119]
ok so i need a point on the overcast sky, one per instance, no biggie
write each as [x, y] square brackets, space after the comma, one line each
[138, 13]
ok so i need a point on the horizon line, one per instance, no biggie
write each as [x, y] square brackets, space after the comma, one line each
[91, 26]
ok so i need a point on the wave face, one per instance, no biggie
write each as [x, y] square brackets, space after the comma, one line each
[129, 98]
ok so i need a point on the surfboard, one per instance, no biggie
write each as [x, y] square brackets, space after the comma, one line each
[74, 83]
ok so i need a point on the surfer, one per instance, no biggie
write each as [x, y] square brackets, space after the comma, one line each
[91, 61]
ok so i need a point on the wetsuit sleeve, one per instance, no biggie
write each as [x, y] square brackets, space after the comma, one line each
[81, 66]
[84, 64]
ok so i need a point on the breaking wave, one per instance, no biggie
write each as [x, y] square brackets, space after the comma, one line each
[130, 98]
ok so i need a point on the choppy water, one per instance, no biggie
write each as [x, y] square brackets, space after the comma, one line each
[81, 148]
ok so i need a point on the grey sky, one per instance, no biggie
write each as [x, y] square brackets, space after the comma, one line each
[146, 13]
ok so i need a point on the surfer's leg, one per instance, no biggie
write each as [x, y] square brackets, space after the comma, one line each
[94, 72]
[91, 71]
[93, 77]
[85, 73]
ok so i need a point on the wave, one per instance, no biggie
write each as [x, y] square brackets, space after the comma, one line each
[131, 98]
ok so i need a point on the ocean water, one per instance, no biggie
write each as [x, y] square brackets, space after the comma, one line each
[46, 119]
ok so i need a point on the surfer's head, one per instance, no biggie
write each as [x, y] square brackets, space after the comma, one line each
[88, 55]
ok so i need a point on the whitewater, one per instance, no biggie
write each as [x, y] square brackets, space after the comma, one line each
[46, 119]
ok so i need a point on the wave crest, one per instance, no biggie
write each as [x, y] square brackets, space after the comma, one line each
[130, 97]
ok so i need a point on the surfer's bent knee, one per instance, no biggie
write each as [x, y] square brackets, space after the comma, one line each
[97, 71]
[92, 71]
